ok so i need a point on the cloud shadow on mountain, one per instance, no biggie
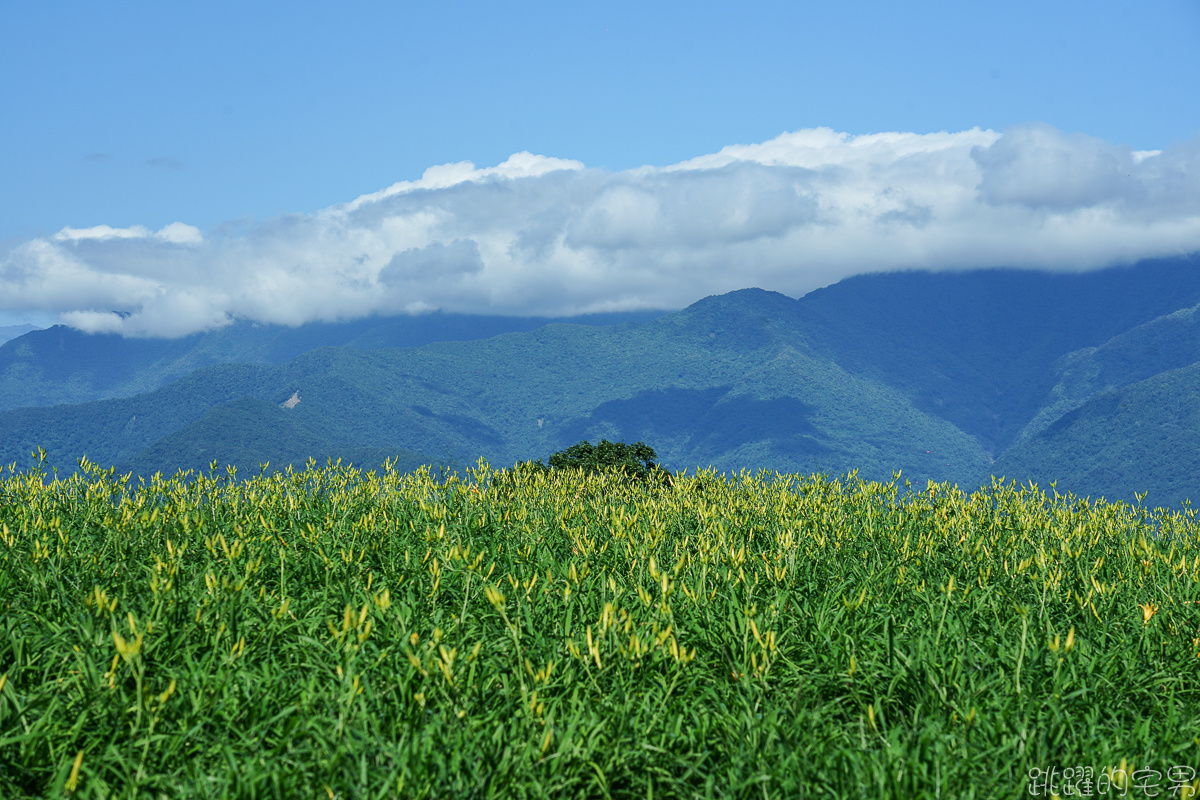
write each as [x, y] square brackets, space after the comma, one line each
[707, 420]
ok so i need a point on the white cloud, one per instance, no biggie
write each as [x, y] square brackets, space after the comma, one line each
[176, 233]
[1038, 166]
[540, 235]
[518, 165]
[101, 232]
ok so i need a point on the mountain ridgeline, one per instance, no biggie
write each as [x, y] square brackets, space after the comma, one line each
[1091, 380]
[62, 365]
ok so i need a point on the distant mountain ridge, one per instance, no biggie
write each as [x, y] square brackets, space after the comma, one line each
[980, 348]
[62, 365]
[1089, 379]
[754, 393]
[8, 332]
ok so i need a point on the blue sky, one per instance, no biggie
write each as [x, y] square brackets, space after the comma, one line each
[233, 118]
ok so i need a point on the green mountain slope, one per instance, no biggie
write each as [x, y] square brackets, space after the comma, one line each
[980, 348]
[729, 382]
[1120, 419]
[1163, 344]
[1085, 379]
[1143, 437]
[111, 431]
[1169, 342]
[61, 365]
[249, 433]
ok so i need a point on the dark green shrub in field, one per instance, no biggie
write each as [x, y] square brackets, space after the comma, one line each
[637, 460]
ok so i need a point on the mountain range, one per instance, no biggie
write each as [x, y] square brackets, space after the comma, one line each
[8, 332]
[1090, 380]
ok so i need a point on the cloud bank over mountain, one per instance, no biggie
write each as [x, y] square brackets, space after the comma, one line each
[542, 235]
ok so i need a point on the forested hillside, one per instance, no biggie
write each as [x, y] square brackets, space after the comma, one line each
[980, 349]
[729, 382]
[1089, 380]
[61, 365]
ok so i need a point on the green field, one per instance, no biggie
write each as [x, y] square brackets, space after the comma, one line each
[330, 634]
